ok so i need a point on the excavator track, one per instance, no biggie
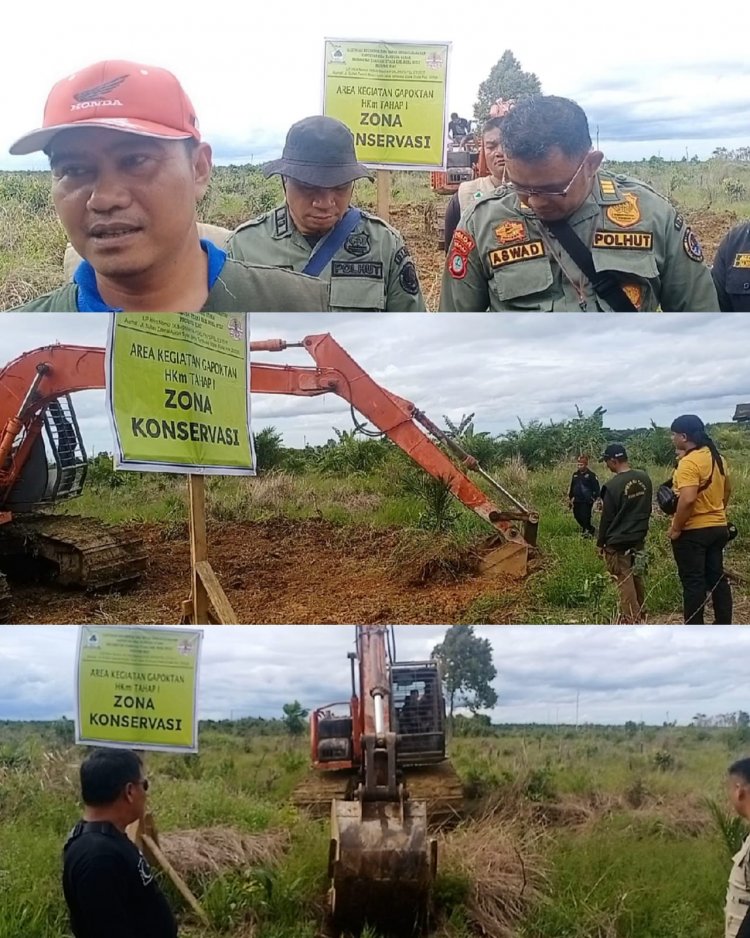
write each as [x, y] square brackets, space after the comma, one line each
[439, 786]
[4, 599]
[83, 552]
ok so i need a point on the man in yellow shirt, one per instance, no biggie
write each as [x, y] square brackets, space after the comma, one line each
[699, 531]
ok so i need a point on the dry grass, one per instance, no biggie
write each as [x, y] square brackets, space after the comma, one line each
[503, 862]
[216, 850]
[426, 556]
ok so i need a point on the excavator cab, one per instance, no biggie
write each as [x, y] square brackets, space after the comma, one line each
[418, 713]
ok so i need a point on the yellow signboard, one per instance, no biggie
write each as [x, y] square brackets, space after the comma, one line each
[392, 96]
[178, 392]
[137, 688]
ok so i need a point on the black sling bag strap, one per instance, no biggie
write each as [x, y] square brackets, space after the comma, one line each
[603, 282]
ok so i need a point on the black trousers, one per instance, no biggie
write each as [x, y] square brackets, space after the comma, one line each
[582, 514]
[699, 555]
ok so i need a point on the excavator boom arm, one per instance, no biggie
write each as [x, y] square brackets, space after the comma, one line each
[33, 380]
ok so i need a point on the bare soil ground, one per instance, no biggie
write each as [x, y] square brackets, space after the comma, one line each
[280, 571]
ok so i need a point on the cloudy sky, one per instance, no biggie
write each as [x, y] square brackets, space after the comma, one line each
[661, 79]
[500, 367]
[653, 673]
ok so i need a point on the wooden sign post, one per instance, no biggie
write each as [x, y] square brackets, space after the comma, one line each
[384, 194]
[208, 603]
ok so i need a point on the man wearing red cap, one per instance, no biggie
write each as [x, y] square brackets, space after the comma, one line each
[317, 231]
[128, 167]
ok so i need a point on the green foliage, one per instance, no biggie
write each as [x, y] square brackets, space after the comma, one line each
[467, 668]
[295, 718]
[439, 508]
[506, 80]
[269, 449]
[349, 453]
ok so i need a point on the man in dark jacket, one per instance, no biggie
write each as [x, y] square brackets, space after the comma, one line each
[109, 887]
[583, 492]
[626, 512]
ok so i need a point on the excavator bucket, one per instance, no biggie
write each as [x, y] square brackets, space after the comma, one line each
[510, 559]
[382, 865]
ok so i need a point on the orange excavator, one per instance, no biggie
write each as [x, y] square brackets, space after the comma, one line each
[380, 769]
[43, 461]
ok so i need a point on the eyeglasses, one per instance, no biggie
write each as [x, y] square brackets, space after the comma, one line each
[527, 192]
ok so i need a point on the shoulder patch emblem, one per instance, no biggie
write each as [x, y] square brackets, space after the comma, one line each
[408, 278]
[692, 246]
[400, 255]
[679, 221]
[510, 232]
[741, 260]
[463, 243]
[625, 214]
[357, 244]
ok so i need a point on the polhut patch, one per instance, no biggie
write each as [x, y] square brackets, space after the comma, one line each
[510, 232]
[463, 242]
[741, 260]
[692, 246]
[371, 270]
[625, 214]
[357, 244]
[408, 279]
[400, 255]
[679, 221]
[501, 257]
[624, 240]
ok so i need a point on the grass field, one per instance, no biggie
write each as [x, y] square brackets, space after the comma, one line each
[713, 195]
[375, 537]
[609, 826]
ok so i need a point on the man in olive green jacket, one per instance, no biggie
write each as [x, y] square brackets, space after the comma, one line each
[128, 167]
[563, 235]
[316, 230]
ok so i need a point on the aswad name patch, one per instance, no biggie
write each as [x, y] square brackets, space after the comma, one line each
[373, 270]
[501, 257]
[741, 260]
[627, 240]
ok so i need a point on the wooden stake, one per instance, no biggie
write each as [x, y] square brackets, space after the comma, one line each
[384, 194]
[217, 596]
[172, 873]
[198, 546]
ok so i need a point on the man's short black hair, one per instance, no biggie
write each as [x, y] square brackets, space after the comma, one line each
[105, 772]
[492, 123]
[540, 122]
[741, 768]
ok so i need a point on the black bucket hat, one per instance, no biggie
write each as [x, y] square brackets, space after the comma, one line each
[319, 151]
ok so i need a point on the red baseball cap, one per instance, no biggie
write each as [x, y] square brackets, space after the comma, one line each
[120, 95]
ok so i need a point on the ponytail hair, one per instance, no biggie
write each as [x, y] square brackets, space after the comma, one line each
[695, 430]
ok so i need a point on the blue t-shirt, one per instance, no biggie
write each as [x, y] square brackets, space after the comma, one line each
[89, 300]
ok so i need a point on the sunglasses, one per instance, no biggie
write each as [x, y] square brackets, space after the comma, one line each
[527, 192]
[143, 782]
